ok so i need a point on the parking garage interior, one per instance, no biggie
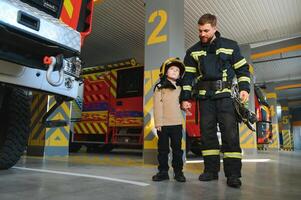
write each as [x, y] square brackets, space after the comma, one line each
[98, 160]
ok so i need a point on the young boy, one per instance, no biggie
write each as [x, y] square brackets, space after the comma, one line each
[168, 119]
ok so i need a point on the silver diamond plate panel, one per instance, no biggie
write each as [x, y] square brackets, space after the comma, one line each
[50, 28]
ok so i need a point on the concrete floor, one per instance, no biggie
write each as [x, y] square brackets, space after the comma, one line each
[123, 176]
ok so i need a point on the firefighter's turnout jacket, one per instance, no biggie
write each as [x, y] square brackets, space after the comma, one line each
[220, 60]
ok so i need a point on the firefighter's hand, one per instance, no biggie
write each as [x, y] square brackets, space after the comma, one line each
[185, 105]
[158, 128]
[244, 96]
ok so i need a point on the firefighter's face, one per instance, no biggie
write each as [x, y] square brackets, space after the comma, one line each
[173, 72]
[206, 32]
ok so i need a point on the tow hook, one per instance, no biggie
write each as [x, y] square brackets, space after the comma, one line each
[54, 63]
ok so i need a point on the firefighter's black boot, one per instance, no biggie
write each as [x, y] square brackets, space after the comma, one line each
[208, 176]
[179, 176]
[234, 182]
[212, 167]
[161, 176]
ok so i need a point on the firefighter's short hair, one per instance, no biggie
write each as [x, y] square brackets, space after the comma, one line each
[208, 19]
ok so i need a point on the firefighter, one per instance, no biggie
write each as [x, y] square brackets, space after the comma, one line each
[168, 119]
[210, 67]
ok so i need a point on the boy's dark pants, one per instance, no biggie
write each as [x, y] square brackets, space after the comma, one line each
[175, 135]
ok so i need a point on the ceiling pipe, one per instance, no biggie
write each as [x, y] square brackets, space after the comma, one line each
[275, 59]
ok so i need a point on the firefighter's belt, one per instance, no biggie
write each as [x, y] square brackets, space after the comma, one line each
[214, 85]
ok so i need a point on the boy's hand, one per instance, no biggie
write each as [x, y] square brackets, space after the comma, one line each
[158, 128]
[185, 105]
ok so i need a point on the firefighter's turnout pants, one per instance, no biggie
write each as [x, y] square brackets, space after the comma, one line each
[220, 111]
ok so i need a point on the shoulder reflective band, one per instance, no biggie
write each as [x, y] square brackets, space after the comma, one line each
[202, 92]
[187, 87]
[190, 69]
[196, 54]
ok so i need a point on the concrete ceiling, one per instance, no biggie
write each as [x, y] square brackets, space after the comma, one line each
[118, 26]
[294, 104]
[292, 94]
[118, 30]
[279, 67]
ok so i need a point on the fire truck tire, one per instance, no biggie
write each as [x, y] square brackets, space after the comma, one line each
[91, 148]
[103, 148]
[193, 145]
[74, 148]
[107, 148]
[15, 122]
[188, 143]
[196, 147]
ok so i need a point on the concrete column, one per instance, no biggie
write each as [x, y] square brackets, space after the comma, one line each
[57, 138]
[164, 38]
[248, 139]
[286, 127]
[272, 100]
[48, 141]
[36, 140]
[296, 123]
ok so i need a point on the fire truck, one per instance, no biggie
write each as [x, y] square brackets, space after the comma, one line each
[109, 114]
[264, 121]
[40, 51]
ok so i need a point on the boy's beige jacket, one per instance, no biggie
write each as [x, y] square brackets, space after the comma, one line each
[167, 109]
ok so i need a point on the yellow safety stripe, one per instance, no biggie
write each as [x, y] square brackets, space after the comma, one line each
[213, 152]
[225, 75]
[232, 155]
[224, 90]
[265, 108]
[225, 51]
[199, 53]
[190, 69]
[240, 63]
[199, 77]
[69, 8]
[187, 87]
[244, 78]
[202, 92]
[196, 54]
[251, 69]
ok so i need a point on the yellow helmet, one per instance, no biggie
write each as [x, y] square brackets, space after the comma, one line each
[172, 62]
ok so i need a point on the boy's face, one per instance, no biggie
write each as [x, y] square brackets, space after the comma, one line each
[173, 72]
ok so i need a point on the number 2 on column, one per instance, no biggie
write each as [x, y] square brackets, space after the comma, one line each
[154, 37]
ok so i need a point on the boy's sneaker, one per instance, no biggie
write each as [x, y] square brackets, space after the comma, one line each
[161, 176]
[207, 176]
[234, 182]
[179, 176]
